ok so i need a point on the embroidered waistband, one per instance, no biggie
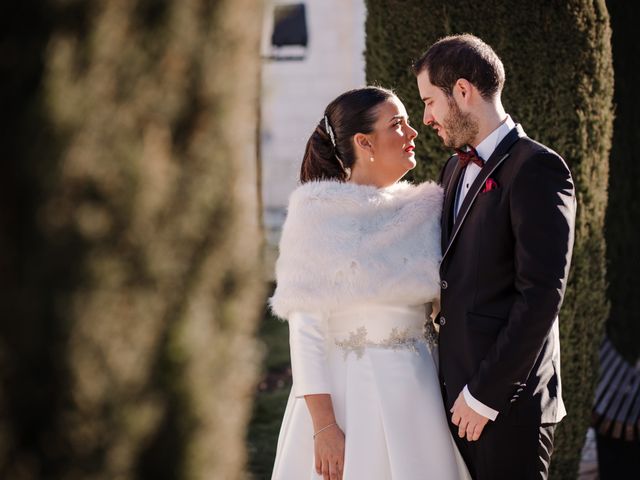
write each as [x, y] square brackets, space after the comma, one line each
[398, 339]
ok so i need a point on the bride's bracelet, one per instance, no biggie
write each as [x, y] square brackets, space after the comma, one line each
[323, 429]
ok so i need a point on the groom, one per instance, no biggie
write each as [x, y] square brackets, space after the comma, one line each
[507, 237]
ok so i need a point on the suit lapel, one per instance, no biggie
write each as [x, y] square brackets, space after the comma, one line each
[449, 200]
[499, 155]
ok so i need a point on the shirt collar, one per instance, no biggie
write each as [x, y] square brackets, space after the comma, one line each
[488, 145]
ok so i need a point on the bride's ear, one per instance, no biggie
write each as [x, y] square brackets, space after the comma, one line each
[363, 143]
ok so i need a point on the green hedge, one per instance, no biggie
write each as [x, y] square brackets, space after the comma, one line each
[623, 211]
[559, 85]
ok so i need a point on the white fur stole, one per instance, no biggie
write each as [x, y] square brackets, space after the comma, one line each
[344, 244]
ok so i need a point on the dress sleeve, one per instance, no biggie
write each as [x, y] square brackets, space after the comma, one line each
[307, 341]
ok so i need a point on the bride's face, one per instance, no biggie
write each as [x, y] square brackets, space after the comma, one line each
[391, 143]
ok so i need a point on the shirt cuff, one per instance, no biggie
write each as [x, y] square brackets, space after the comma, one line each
[478, 406]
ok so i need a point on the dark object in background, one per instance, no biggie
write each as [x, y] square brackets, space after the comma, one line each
[623, 208]
[289, 38]
[616, 414]
[290, 25]
[617, 459]
[616, 410]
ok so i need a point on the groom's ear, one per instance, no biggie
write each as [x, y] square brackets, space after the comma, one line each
[463, 88]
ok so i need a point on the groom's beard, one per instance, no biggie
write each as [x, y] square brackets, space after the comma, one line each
[461, 127]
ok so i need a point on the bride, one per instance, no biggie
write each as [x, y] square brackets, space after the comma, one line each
[357, 271]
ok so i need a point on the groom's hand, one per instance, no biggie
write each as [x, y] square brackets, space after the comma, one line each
[469, 422]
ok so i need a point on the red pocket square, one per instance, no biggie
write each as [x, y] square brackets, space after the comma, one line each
[489, 185]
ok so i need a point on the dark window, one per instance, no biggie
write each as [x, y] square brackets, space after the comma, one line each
[289, 38]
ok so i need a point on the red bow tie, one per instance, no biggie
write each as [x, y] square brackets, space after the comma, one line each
[470, 156]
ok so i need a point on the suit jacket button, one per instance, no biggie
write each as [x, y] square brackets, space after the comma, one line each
[442, 321]
[444, 284]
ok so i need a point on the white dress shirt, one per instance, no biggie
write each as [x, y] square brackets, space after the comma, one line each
[485, 149]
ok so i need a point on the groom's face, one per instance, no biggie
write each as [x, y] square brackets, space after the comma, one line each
[442, 113]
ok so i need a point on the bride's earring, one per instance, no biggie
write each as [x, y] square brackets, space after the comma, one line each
[371, 159]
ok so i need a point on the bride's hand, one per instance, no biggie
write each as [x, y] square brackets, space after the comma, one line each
[329, 453]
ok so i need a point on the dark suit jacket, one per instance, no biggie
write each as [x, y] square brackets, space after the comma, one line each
[504, 271]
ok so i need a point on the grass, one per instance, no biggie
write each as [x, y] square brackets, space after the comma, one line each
[271, 398]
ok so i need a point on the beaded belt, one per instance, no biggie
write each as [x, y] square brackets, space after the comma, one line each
[383, 327]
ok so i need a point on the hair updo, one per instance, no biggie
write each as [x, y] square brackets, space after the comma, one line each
[352, 112]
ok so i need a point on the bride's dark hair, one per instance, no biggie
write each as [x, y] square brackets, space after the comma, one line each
[350, 113]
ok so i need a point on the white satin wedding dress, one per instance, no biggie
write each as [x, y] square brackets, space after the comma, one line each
[378, 365]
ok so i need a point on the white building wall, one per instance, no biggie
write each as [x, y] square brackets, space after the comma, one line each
[295, 93]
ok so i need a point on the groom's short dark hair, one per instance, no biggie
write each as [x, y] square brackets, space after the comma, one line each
[462, 56]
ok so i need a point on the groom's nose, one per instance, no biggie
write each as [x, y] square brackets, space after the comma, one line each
[427, 118]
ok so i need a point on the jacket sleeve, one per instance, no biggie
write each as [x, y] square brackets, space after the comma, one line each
[542, 203]
[307, 341]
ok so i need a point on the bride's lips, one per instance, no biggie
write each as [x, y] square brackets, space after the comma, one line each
[410, 149]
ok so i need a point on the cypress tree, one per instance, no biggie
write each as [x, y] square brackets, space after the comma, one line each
[623, 210]
[559, 85]
[128, 238]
